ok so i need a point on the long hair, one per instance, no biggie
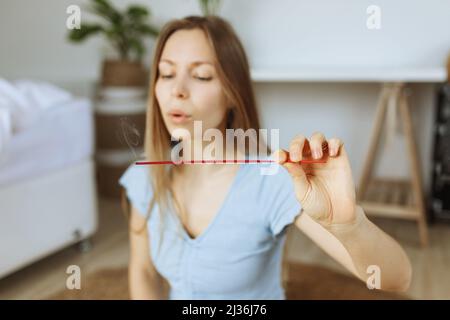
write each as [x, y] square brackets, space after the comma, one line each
[234, 73]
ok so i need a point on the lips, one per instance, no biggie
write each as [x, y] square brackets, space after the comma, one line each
[179, 116]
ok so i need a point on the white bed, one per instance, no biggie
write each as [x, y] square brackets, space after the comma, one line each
[63, 135]
[47, 186]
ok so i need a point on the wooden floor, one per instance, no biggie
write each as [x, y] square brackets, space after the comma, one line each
[431, 278]
[431, 266]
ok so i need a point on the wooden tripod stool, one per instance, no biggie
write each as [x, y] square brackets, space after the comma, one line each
[398, 198]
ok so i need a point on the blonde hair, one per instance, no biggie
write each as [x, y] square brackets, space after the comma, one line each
[234, 73]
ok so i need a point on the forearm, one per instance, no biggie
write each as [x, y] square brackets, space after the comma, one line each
[145, 286]
[367, 246]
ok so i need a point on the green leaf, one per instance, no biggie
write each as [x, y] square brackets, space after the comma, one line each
[137, 12]
[107, 11]
[86, 30]
[209, 7]
[148, 30]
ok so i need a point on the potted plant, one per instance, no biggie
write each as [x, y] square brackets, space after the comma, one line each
[125, 31]
[210, 7]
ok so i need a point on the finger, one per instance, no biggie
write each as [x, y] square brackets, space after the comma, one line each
[295, 170]
[316, 143]
[280, 156]
[334, 146]
[296, 148]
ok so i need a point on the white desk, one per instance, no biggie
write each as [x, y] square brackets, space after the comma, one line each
[350, 74]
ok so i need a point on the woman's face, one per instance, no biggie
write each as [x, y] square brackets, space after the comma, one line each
[188, 88]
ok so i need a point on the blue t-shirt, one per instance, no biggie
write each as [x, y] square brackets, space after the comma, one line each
[238, 256]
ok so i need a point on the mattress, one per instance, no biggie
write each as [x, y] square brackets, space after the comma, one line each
[62, 136]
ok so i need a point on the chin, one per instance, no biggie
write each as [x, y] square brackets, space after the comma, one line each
[179, 131]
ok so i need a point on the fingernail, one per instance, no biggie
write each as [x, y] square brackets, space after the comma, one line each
[319, 153]
[315, 154]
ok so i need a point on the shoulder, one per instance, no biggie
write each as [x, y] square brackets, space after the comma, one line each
[134, 171]
[136, 182]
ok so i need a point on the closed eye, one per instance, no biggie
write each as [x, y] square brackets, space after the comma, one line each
[204, 78]
[199, 78]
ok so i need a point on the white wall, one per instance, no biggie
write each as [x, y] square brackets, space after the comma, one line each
[275, 33]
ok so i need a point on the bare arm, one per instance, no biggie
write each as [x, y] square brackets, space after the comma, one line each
[332, 218]
[144, 280]
[359, 245]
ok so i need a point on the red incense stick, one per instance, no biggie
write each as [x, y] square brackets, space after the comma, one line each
[224, 161]
[324, 148]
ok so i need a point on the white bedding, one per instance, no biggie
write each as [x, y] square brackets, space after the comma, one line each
[61, 136]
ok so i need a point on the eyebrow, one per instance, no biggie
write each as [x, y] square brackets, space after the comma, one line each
[195, 63]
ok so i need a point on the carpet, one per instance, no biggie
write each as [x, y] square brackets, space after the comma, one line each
[307, 282]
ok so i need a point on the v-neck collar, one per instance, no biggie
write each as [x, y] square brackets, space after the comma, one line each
[216, 216]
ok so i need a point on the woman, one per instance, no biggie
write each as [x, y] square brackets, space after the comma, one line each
[217, 231]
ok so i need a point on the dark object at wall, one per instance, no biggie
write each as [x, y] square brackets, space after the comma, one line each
[440, 197]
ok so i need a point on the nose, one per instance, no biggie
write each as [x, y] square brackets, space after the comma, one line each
[179, 89]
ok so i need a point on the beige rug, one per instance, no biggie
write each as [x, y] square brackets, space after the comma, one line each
[308, 282]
